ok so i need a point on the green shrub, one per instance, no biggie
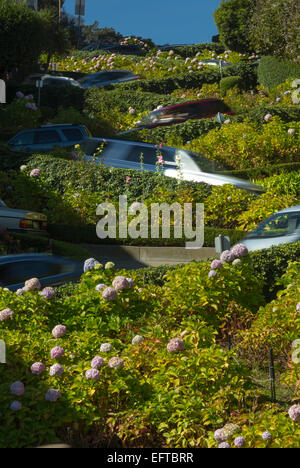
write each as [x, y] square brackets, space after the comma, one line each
[285, 113]
[230, 82]
[273, 70]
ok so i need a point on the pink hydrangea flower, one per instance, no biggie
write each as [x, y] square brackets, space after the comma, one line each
[239, 250]
[109, 294]
[120, 282]
[227, 256]
[6, 314]
[17, 388]
[294, 413]
[100, 286]
[268, 117]
[32, 284]
[116, 363]
[216, 264]
[128, 179]
[37, 368]
[59, 331]
[175, 345]
[35, 173]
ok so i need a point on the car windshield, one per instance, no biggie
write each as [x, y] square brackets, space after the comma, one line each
[281, 224]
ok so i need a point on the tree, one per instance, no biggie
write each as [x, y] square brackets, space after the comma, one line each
[54, 39]
[231, 20]
[20, 34]
[274, 28]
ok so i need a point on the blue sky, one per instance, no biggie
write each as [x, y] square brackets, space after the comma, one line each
[164, 21]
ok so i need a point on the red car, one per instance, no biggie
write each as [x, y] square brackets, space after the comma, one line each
[178, 113]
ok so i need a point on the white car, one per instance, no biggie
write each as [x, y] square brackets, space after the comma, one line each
[143, 156]
[282, 227]
[15, 220]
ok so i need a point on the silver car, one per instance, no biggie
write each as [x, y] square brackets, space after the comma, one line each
[12, 219]
[143, 156]
[280, 228]
[50, 80]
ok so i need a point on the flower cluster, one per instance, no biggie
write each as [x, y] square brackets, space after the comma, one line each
[6, 314]
[175, 345]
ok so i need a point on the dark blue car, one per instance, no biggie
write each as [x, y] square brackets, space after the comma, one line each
[51, 270]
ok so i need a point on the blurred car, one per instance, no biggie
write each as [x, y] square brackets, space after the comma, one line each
[51, 270]
[47, 137]
[216, 62]
[280, 228]
[108, 77]
[124, 49]
[194, 166]
[179, 113]
[25, 221]
[50, 80]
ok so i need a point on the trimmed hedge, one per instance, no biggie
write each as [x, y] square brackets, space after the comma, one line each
[87, 234]
[185, 131]
[193, 49]
[59, 173]
[286, 113]
[274, 70]
[265, 171]
[230, 82]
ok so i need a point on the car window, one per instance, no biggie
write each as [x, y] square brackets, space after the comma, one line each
[47, 136]
[282, 224]
[73, 134]
[20, 271]
[149, 155]
[24, 139]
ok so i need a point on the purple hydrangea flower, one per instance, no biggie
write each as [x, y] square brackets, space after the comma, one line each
[212, 273]
[266, 435]
[89, 264]
[227, 256]
[16, 406]
[6, 314]
[109, 294]
[56, 369]
[298, 307]
[239, 250]
[175, 345]
[32, 285]
[92, 374]
[57, 352]
[116, 363]
[19, 94]
[100, 286]
[37, 368]
[224, 445]
[97, 362]
[239, 441]
[35, 172]
[52, 395]
[17, 388]
[48, 293]
[105, 348]
[59, 331]
[294, 412]
[291, 131]
[216, 264]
